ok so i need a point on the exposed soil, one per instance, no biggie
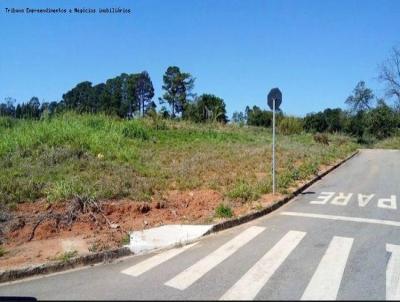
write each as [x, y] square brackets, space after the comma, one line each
[38, 232]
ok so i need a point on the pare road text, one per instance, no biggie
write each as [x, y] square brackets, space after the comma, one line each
[342, 199]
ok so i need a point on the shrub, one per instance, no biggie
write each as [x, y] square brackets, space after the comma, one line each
[243, 191]
[223, 211]
[315, 122]
[382, 121]
[321, 138]
[126, 239]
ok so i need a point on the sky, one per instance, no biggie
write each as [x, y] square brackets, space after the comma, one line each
[314, 51]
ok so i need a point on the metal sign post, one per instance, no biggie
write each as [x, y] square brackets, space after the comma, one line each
[273, 146]
[274, 101]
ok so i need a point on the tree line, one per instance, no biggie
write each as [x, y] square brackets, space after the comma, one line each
[128, 96]
[366, 115]
[132, 95]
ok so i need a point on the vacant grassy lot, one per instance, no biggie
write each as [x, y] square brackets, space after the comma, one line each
[108, 158]
[389, 143]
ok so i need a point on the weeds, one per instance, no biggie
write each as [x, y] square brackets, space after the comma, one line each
[134, 130]
[223, 211]
[2, 251]
[126, 239]
[243, 191]
[109, 158]
[66, 256]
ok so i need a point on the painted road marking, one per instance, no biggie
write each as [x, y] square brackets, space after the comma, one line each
[363, 200]
[393, 273]
[325, 283]
[247, 287]
[152, 262]
[343, 218]
[343, 199]
[323, 198]
[200, 268]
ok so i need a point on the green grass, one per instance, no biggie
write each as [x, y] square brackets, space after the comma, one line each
[109, 158]
[126, 239]
[223, 211]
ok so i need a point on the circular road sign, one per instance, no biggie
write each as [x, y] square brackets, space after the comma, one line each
[274, 94]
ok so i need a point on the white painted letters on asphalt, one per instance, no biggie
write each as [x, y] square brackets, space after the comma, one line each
[363, 200]
[388, 203]
[325, 283]
[252, 282]
[199, 269]
[324, 198]
[343, 199]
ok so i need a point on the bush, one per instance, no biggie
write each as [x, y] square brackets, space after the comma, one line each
[134, 130]
[321, 138]
[382, 121]
[258, 117]
[223, 211]
[290, 125]
[315, 122]
[243, 191]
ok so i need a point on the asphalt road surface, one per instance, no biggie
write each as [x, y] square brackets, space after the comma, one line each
[340, 239]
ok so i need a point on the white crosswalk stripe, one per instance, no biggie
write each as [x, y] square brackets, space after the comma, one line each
[199, 269]
[393, 273]
[325, 283]
[251, 283]
[154, 261]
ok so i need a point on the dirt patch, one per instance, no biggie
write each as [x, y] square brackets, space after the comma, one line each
[38, 232]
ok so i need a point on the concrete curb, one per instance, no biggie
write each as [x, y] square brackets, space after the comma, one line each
[248, 217]
[47, 268]
[108, 256]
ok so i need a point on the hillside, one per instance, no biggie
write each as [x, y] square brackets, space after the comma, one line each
[109, 176]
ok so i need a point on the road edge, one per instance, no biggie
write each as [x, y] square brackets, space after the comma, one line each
[48, 268]
[276, 205]
[110, 255]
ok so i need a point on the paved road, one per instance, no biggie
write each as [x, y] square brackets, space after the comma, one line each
[338, 240]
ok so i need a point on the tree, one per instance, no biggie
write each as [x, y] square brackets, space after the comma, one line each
[334, 119]
[258, 117]
[390, 74]
[81, 98]
[315, 122]
[34, 107]
[382, 120]
[238, 117]
[178, 86]
[206, 107]
[144, 92]
[7, 108]
[357, 125]
[361, 98]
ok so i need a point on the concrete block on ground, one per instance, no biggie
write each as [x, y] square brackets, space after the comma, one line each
[165, 236]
